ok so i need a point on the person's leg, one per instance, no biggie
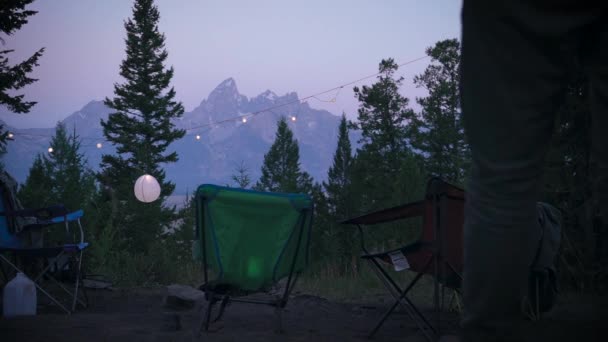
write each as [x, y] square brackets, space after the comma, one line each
[597, 71]
[512, 81]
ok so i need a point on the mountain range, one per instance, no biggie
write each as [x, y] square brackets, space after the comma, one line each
[224, 143]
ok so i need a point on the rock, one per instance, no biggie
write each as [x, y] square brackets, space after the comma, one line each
[182, 297]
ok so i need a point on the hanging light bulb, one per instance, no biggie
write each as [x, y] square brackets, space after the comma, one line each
[198, 137]
[99, 145]
[50, 150]
[244, 120]
[11, 136]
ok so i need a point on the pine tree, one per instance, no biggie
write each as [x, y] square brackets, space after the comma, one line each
[383, 114]
[73, 182]
[36, 192]
[281, 168]
[382, 120]
[323, 243]
[437, 130]
[241, 177]
[336, 205]
[13, 78]
[60, 177]
[141, 128]
[339, 175]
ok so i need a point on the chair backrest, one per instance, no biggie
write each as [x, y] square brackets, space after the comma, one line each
[251, 239]
[443, 226]
[8, 238]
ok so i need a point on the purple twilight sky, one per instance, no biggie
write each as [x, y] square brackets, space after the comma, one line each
[282, 45]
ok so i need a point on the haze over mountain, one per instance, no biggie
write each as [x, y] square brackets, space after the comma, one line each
[222, 147]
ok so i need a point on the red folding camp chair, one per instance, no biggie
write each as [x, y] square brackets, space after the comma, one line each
[438, 252]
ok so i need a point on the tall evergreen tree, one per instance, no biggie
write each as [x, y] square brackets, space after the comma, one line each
[281, 168]
[72, 180]
[141, 128]
[59, 177]
[13, 16]
[437, 130]
[339, 175]
[36, 192]
[382, 119]
[336, 205]
[383, 113]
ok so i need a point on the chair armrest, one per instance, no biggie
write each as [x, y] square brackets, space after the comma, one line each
[409, 210]
[413, 209]
[73, 216]
[47, 213]
[65, 218]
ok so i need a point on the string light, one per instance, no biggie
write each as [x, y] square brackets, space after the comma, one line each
[332, 100]
[244, 119]
[302, 100]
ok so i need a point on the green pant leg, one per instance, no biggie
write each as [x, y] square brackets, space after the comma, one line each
[513, 75]
[597, 72]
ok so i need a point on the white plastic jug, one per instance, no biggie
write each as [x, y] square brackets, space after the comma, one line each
[19, 297]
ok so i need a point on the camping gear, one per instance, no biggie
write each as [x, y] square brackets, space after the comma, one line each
[542, 283]
[438, 252]
[23, 251]
[248, 241]
[19, 297]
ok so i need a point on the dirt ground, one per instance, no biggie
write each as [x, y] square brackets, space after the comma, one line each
[138, 315]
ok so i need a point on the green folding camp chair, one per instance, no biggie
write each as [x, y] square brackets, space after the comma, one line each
[248, 241]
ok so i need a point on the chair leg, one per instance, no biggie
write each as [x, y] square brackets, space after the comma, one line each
[48, 295]
[279, 316]
[222, 308]
[4, 275]
[206, 319]
[76, 287]
[395, 290]
[382, 320]
[72, 293]
[208, 314]
[398, 302]
[538, 299]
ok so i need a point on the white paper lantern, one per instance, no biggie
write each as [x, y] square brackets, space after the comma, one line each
[146, 189]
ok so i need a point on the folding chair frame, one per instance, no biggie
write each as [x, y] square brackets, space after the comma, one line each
[74, 251]
[435, 260]
[72, 293]
[213, 297]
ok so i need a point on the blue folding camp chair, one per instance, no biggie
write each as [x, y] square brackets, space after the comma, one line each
[18, 225]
